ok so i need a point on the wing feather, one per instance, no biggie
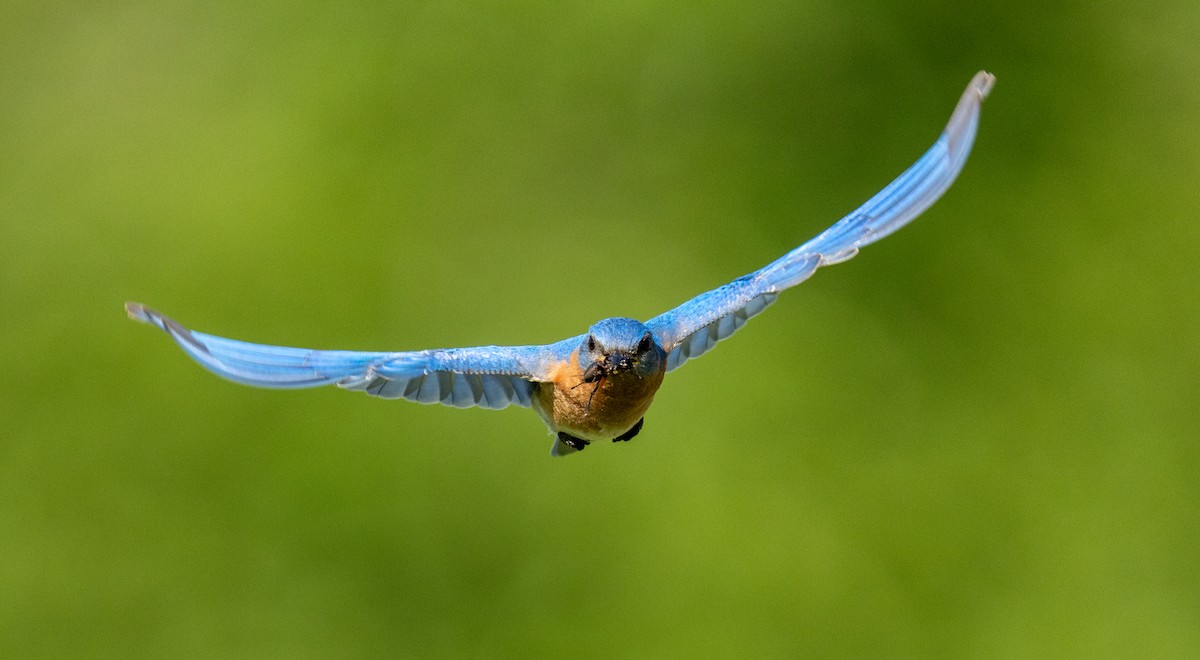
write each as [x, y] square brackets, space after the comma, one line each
[696, 326]
[485, 376]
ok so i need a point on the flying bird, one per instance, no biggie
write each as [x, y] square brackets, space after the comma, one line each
[596, 386]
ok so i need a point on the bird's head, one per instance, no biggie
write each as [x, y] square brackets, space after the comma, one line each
[618, 345]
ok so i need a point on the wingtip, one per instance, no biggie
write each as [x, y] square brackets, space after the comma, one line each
[982, 84]
[143, 314]
[138, 312]
[960, 130]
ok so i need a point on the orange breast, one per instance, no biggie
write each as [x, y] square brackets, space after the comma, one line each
[619, 402]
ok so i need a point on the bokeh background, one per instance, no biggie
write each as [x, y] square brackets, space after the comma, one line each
[979, 438]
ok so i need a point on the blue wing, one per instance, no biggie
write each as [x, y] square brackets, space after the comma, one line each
[697, 325]
[485, 376]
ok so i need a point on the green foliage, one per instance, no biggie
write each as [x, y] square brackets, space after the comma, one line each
[976, 439]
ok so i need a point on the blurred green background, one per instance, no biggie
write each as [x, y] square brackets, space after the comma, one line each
[977, 439]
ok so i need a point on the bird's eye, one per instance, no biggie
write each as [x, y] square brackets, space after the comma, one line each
[645, 344]
[591, 343]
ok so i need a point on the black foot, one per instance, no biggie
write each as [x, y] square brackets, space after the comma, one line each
[578, 444]
[628, 435]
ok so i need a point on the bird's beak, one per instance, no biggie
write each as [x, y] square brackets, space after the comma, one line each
[620, 361]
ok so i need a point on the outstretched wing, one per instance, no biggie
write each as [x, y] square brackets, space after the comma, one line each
[485, 376]
[697, 325]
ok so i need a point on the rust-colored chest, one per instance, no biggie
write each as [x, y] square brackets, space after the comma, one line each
[591, 411]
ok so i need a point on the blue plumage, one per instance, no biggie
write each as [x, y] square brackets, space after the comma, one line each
[621, 360]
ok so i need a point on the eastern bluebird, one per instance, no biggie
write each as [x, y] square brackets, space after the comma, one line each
[596, 386]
